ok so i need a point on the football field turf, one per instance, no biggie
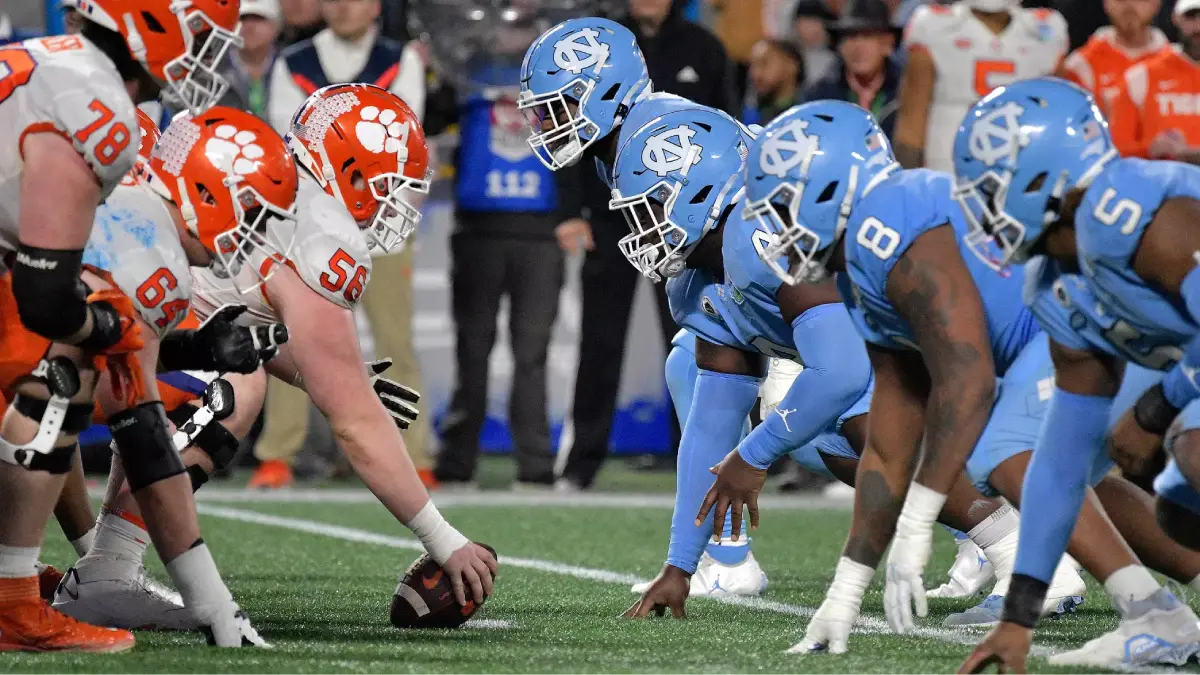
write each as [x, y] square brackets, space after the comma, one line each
[316, 570]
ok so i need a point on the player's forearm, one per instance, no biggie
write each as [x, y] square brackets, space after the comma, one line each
[880, 488]
[836, 366]
[283, 367]
[909, 155]
[714, 427]
[377, 452]
[956, 413]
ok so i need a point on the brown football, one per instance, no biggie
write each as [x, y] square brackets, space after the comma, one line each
[424, 598]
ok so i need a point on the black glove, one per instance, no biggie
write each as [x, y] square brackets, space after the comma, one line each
[397, 399]
[220, 345]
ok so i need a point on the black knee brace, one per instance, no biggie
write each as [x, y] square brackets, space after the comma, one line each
[143, 438]
[214, 440]
[51, 300]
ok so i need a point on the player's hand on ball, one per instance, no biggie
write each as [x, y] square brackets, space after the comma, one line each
[1133, 448]
[829, 629]
[737, 485]
[669, 590]
[1006, 647]
[471, 570]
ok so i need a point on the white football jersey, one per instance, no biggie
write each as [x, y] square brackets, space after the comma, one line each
[329, 253]
[971, 60]
[62, 84]
[134, 239]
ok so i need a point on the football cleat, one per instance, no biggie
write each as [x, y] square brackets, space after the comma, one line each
[229, 626]
[29, 624]
[111, 592]
[1066, 592]
[1155, 630]
[272, 474]
[970, 572]
[48, 578]
[745, 578]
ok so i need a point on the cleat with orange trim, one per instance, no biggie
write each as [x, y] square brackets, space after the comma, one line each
[29, 624]
[272, 474]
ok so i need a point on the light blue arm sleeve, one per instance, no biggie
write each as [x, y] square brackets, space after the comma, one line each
[720, 404]
[836, 373]
[1070, 444]
[1180, 385]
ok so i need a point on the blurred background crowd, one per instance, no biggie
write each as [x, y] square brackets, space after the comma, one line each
[512, 310]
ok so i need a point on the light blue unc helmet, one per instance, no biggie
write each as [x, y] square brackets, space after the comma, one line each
[578, 81]
[673, 180]
[806, 171]
[1018, 151]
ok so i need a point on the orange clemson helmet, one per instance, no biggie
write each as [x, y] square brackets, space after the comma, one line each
[150, 136]
[233, 180]
[365, 146]
[180, 42]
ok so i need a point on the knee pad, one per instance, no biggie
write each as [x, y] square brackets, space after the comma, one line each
[51, 298]
[213, 439]
[143, 438]
[55, 417]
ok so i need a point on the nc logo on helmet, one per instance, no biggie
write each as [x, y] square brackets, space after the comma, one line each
[787, 149]
[997, 135]
[671, 150]
[580, 50]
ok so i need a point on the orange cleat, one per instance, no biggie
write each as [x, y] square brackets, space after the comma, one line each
[428, 480]
[272, 475]
[29, 624]
[48, 579]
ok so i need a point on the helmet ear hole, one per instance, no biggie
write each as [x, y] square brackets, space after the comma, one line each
[611, 93]
[1038, 182]
[206, 195]
[701, 195]
[152, 23]
[827, 193]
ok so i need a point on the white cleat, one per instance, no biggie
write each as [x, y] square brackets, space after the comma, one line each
[713, 578]
[119, 594]
[1066, 592]
[1162, 630]
[230, 627]
[970, 572]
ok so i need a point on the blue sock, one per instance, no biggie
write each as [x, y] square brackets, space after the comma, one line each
[957, 534]
[730, 553]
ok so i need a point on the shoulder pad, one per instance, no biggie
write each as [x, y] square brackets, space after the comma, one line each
[329, 252]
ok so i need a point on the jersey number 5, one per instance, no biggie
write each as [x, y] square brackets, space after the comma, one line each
[1110, 213]
[343, 268]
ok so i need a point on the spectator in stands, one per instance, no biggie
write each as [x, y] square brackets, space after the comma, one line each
[1099, 65]
[958, 53]
[301, 20]
[684, 59]
[349, 50]
[775, 68]
[1083, 20]
[810, 27]
[250, 68]
[1154, 114]
[864, 72]
[739, 25]
[506, 212]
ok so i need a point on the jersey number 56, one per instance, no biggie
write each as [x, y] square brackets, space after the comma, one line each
[344, 273]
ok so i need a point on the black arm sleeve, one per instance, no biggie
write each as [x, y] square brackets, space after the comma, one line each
[51, 299]
[570, 189]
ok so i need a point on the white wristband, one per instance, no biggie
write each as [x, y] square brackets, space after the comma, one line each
[921, 509]
[439, 537]
[850, 582]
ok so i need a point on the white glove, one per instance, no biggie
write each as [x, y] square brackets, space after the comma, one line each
[911, 549]
[397, 399]
[829, 629]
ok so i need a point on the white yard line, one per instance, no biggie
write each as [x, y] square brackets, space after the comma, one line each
[865, 623]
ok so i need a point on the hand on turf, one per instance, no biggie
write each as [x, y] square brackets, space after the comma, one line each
[668, 590]
[829, 629]
[1133, 448]
[737, 485]
[1007, 646]
[471, 570]
[905, 588]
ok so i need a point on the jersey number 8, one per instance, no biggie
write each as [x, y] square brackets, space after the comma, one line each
[878, 238]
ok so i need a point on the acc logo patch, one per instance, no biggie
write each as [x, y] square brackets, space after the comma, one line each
[579, 51]
[736, 295]
[998, 136]
[671, 150]
[788, 148]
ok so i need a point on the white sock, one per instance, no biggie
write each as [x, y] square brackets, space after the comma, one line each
[118, 538]
[997, 537]
[196, 577]
[1131, 583]
[18, 562]
[84, 543]
[995, 527]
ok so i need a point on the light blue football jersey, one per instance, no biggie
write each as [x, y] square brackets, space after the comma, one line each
[881, 228]
[1109, 224]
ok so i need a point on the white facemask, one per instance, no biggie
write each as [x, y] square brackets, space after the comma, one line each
[991, 5]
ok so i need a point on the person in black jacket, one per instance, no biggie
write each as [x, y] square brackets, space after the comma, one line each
[684, 59]
[865, 72]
